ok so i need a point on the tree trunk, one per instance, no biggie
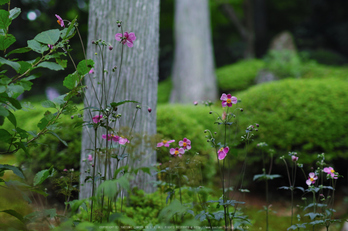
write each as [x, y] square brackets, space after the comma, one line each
[193, 69]
[137, 81]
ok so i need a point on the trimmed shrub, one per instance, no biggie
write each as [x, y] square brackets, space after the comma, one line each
[238, 76]
[313, 70]
[327, 57]
[308, 116]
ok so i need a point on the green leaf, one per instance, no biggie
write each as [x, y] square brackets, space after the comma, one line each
[15, 102]
[71, 80]
[66, 34]
[14, 169]
[14, 65]
[12, 118]
[22, 133]
[5, 21]
[3, 111]
[37, 47]
[48, 104]
[6, 41]
[48, 37]
[43, 175]
[24, 66]
[62, 62]
[16, 90]
[50, 132]
[14, 213]
[85, 66]
[19, 51]
[2, 2]
[42, 124]
[5, 135]
[51, 66]
[2, 120]
[2, 88]
[115, 104]
[14, 13]
[59, 100]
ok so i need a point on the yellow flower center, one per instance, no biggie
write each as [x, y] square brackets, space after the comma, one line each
[228, 100]
[311, 179]
[184, 144]
[164, 141]
[332, 170]
[176, 152]
[221, 149]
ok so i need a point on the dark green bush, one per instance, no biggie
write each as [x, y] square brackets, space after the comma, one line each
[327, 57]
[308, 116]
[238, 76]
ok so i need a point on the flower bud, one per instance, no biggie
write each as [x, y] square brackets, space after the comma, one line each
[241, 109]
[72, 117]
[149, 110]
[111, 47]
[257, 125]
[195, 103]
[210, 112]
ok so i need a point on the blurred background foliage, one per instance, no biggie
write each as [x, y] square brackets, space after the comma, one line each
[304, 111]
[319, 28]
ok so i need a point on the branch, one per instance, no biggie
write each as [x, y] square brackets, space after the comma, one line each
[229, 12]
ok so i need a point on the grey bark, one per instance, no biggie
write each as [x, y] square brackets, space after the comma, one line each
[138, 80]
[193, 69]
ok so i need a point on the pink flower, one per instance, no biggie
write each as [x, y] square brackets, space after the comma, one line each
[60, 20]
[96, 119]
[126, 38]
[65, 170]
[330, 171]
[185, 143]
[222, 153]
[118, 139]
[294, 158]
[311, 179]
[50, 46]
[228, 100]
[177, 151]
[91, 71]
[90, 158]
[195, 103]
[165, 143]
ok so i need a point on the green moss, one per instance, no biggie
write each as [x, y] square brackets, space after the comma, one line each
[238, 76]
[308, 116]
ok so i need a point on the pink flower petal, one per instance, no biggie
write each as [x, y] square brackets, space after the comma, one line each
[223, 97]
[118, 36]
[129, 43]
[131, 36]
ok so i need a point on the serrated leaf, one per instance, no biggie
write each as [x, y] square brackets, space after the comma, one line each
[14, 169]
[48, 104]
[16, 90]
[37, 47]
[22, 133]
[19, 51]
[50, 132]
[85, 66]
[67, 34]
[43, 175]
[5, 21]
[6, 41]
[14, 65]
[5, 135]
[51, 66]
[42, 123]
[12, 118]
[48, 37]
[14, 13]
[71, 81]
[62, 62]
